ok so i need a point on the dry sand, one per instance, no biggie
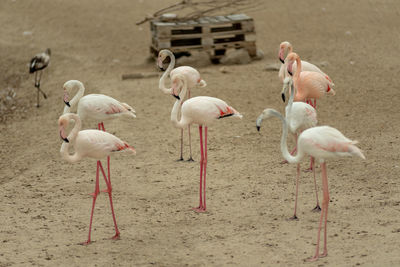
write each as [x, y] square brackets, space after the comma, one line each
[45, 205]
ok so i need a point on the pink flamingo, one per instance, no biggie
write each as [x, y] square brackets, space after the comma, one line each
[300, 116]
[91, 144]
[322, 143]
[201, 110]
[193, 80]
[287, 48]
[309, 84]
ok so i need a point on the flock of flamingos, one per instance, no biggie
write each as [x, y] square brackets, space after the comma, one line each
[302, 81]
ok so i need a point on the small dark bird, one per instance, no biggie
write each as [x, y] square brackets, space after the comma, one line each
[38, 63]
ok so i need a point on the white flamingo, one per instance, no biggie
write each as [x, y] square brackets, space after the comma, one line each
[285, 48]
[300, 116]
[193, 80]
[322, 143]
[38, 63]
[201, 110]
[91, 144]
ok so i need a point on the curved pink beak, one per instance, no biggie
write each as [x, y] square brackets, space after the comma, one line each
[160, 63]
[281, 56]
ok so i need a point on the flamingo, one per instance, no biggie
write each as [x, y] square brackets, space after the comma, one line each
[300, 116]
[201, 110]
[38, 63]
[322, 143]
[309, 84]
[193, 80]
[91, 144]
[287, 47]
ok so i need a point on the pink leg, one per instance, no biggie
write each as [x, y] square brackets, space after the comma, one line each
[190, 144]
[205, 166]
[317, 207]
[325, 204]
[94, 194]
[315, 103]
[297, 191]
[200, 208]
[109, 191]
[181, 158]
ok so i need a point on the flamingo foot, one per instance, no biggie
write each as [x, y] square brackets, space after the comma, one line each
[116, 236]
[106, 190]
[317, 208]
[190, 159]
[93, 194]
[294, 218]
[324, 254]
[181, 159]
[199, 209]
[315, 258]
[284, 162]
[85, 243]
[308, 170]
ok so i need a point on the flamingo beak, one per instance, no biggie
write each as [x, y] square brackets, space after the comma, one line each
[281, 60]
[258, 128]
[283, 97]
[62, 135]
[281, 56]
[176, 96]
[67, 103]
[160, 64]
[290, 73]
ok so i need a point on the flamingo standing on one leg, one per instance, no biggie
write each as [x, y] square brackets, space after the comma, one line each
[193, 80]
[38, 63]
[92, 144]
[201, 110]
[309, 84]
[286, 48]
[300, 116]
[322, 142]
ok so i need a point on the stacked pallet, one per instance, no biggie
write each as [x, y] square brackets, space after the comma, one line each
[211, 34]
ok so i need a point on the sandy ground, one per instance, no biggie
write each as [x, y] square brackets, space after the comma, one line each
[44, 211]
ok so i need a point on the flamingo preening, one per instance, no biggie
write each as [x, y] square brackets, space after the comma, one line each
[300, 116]
[309, 84]
[91, 144]
[193, 80]
[38, 63]
[201, 110]
[322, 143]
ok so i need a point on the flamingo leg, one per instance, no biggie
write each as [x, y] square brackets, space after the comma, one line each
[94, 194]
[190, 145]
[317, 208]
[201, 208]
[109, 191]
[205, 166]
[297, 192]
[325, 204]
[181, 158]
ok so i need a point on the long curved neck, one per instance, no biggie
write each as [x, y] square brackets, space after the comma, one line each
[298, 68]
[177, 107]
[76, 98]
[71, 137]
[284, 148]
[171, 65]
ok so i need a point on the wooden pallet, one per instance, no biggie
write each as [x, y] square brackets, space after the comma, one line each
[211, 34]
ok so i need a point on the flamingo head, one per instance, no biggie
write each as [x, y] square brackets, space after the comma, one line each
[69, 86]
[290, 59]
[282, 49]
[162, 55]
[287, 83]
[264, 115]
[63, 122]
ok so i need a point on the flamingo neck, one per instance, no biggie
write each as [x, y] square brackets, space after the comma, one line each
[177, 108]
[171, 65]
[76, 98]
[71, 137]
[284, 148]
[298, 68]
